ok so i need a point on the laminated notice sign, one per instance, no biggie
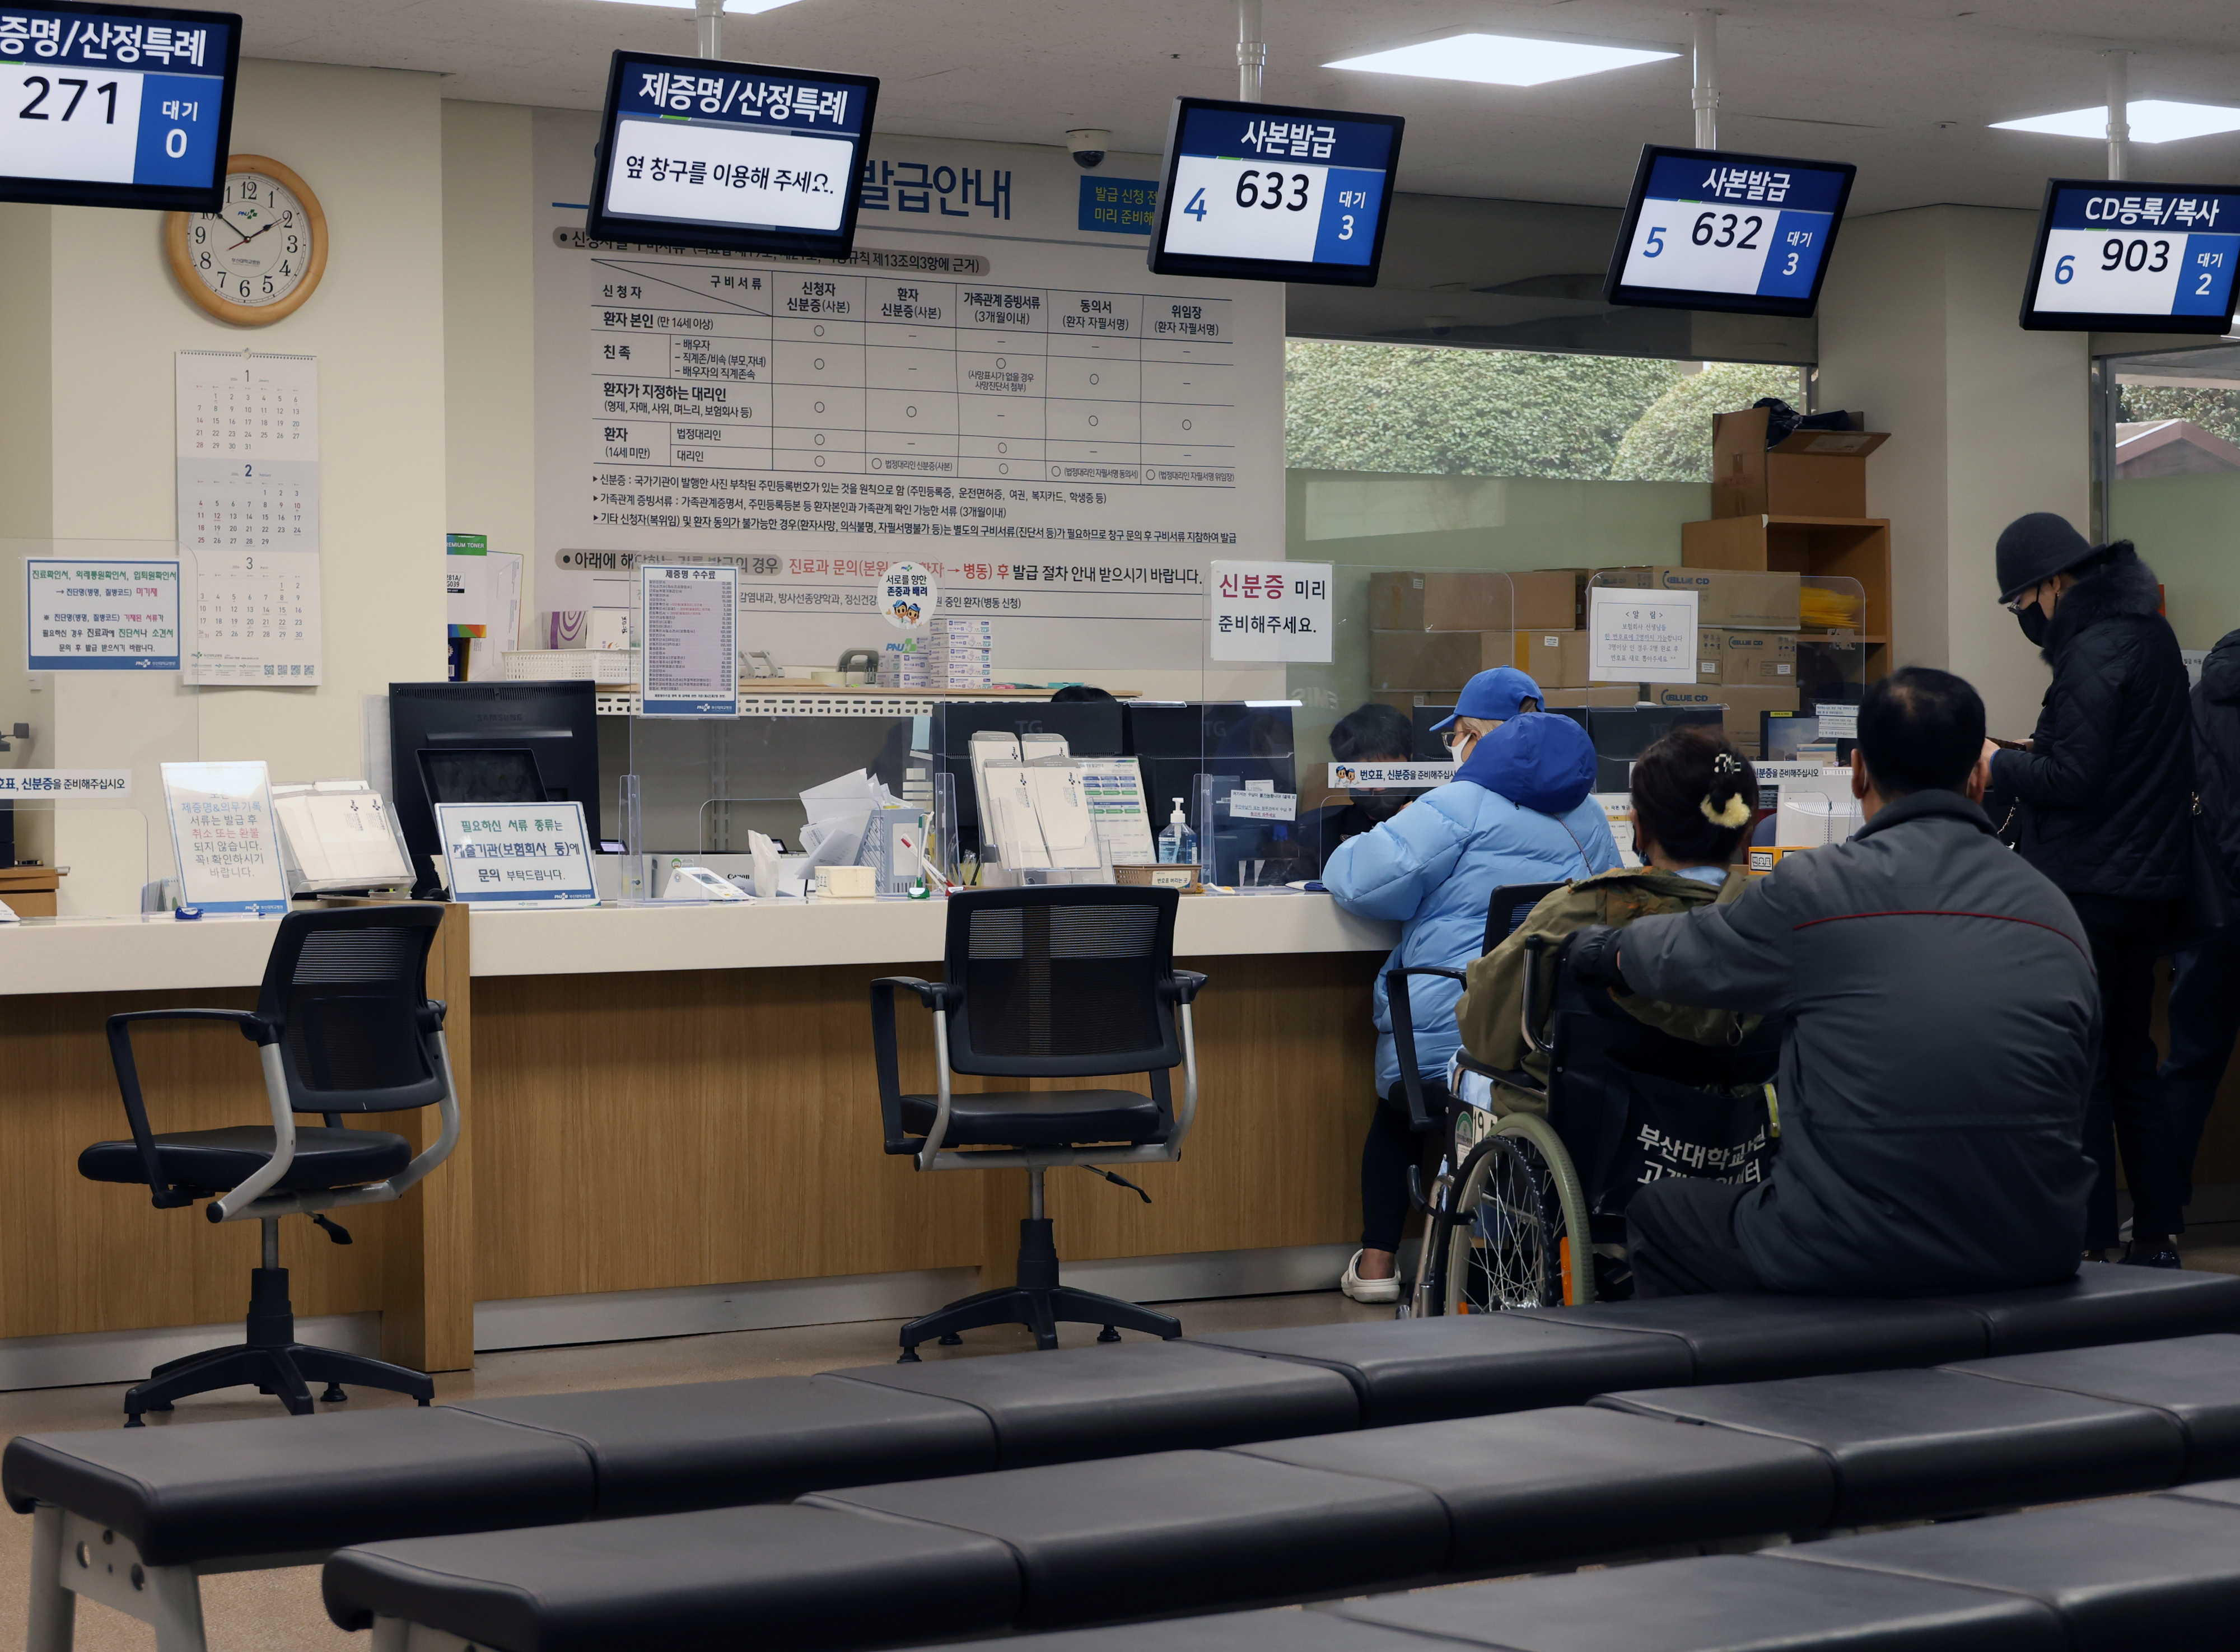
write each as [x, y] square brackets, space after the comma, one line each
[508, 855]
[96, 615]
[222, 832]
[1274, 611]
[688, 639]
[1636, 636]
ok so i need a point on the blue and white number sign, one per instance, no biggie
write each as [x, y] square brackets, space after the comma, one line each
[2137, 258]
[1707, 230]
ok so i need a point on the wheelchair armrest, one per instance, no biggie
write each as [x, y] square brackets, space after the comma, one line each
[938, 997]
[1183, 987]
[1517, 1079]
[253, 1028]
[1403, 1036]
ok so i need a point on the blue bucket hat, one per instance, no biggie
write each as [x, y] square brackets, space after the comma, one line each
[1497, 695]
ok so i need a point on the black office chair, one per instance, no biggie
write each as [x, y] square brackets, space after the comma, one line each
[342, 1024]
[1074, 982]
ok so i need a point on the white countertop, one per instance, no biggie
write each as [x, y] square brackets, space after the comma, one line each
[148, 954]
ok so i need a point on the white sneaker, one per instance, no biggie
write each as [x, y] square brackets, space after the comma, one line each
[1368, 1290]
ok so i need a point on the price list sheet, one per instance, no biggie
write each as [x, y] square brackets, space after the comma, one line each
[249, 517]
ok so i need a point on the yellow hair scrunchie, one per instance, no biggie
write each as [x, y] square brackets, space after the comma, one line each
[1736, 815]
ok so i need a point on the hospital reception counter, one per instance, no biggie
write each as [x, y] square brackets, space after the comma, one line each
[660, 1104]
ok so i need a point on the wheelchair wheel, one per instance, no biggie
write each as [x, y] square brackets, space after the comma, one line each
[1516, 1236]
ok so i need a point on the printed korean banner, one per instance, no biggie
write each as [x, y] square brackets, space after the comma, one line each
[992, 386]
[1271, 612]
[222, 832]
[102, 616]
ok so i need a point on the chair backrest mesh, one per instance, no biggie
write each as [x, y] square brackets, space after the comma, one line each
[346, 986]
[1063, 981]
[1510, 906]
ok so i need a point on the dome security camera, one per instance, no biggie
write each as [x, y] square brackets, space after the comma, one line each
[1089, 145]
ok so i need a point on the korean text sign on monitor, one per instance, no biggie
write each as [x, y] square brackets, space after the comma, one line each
[2133, 257]
[1261, 192]
[116, 106]
[1705, 229]
[731, 155]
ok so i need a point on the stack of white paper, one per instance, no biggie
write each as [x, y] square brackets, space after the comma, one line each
[338, 836]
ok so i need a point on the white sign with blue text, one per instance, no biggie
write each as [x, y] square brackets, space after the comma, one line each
[1707, 230]
[87, 614]
[688, 639]
[516, 854]
[2155, 257]
[221, 834]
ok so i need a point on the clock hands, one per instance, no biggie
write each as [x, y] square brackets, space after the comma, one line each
[246, 239]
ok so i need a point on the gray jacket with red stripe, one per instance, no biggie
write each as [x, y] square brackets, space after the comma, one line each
[1942, 1021]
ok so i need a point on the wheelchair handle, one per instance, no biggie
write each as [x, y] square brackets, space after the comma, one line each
[1534, 946]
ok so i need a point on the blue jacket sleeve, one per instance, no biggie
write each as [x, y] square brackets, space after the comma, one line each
[1387, 873]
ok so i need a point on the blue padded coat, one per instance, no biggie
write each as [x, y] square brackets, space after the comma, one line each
[1517, 812]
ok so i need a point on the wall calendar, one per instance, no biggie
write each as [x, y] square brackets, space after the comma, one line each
[249, 517]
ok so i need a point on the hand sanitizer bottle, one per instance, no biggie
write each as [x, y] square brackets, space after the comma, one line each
[1179, 843]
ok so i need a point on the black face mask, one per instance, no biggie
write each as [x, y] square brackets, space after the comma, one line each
[1380, 806]
[2033, 621]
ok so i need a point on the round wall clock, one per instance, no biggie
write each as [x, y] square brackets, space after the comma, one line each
[259, 257]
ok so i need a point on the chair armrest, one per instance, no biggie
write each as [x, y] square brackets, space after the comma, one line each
[935, 996]
[1183, 987]
[1517, 1079]
[431, 1016]
[1403, 1036]
[160, 1192]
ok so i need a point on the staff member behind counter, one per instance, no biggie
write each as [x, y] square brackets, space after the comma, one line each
[1372, 733]
[1942, 1017]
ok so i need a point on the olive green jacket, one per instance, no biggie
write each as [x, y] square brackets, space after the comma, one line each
[1493, 1007]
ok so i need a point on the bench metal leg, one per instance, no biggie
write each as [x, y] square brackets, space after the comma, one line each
[91, 1560]
[53, 1608]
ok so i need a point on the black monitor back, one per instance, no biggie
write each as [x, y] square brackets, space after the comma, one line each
[556, 722]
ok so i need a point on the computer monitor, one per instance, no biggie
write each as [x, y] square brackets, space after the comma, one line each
[1090, 729]
[488, 742]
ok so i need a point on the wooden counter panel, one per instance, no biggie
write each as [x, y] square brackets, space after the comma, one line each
[704, 1127]
[95, 1256]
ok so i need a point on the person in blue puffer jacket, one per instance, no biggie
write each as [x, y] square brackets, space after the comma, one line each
[1517, 811]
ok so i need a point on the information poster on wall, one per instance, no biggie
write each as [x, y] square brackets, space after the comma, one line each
[222, 835]
[102, 616]
[688, 639]
[249, 516]
[986, 389]
[1640, 636]
[1271, 612]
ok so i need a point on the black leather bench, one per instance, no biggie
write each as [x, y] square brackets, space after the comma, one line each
[2195, 1380]
[644, 1451]
[1905, 1443]
[1169, 1534]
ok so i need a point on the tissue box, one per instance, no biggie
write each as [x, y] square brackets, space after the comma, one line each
[847, 884]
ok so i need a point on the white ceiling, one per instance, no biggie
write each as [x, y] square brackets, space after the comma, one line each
[1903, 88]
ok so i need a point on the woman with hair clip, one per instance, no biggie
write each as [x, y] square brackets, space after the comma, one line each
[1692, 793]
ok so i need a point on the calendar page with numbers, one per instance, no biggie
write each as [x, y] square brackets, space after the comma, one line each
[249, 517]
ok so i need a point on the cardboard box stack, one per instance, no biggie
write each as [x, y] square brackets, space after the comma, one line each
[1746, 642]
[953, 654]
[1430, 633]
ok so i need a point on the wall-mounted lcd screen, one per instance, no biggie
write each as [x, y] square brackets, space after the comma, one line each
[1262, 192]
[116, 106]
[1706, 230]
[2134, 259]
[736, 156]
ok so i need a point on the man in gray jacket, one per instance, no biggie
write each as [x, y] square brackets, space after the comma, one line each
[1942, 1019]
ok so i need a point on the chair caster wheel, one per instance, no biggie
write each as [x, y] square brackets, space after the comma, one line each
[334, 1395]
[952, 1341]
[135, 1420]
[1108, 1335]
[909, 1357]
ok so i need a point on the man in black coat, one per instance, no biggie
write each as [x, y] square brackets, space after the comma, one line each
[2204, 1005]
[2101, 801]
[1939, 1020]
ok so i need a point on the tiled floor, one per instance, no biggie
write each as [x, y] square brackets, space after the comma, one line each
[279, 1611]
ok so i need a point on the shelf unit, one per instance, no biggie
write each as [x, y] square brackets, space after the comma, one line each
[1829, 547]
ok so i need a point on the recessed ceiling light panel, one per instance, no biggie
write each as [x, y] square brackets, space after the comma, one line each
[2153, 120]
[1500, 60]
[749, 6]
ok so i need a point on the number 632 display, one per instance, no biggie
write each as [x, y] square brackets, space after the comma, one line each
[1265, 192]
[2133, 257]
[1707, 230]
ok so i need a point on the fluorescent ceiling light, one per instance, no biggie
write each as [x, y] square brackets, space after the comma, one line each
[1500, 60]
[730, 5]
[2153, 120]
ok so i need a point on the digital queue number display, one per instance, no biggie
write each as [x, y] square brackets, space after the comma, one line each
[2133, 257]
[1707, 230]
[734, 157]
[1265, 192]
[116, 106]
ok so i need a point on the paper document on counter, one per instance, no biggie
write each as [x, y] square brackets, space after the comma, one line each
[339, 834]
[1115, 786]
[1062, 810]
[1010, 818]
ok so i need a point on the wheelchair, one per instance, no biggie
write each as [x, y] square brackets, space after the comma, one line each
[1523, 1202]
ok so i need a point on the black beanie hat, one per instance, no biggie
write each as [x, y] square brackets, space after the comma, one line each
[2034, 549]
